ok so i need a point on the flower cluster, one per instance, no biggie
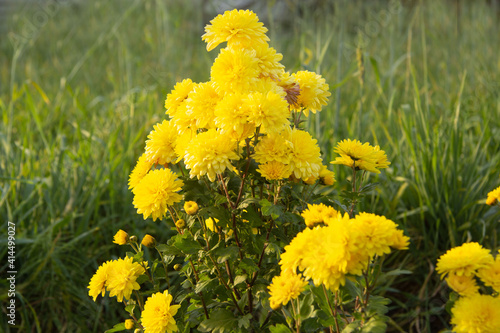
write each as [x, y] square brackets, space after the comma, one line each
[361, 156]
[463, 267]
[343, 246]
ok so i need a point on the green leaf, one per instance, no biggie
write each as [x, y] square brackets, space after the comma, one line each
[117, 328]
[224, 254]
[268, 209]
[168, 250]
[187, 244]
[306, 307]
[244, 322]
[240, 279]
[220, 321]
[202, 285]
[130, 309]
[247, 202]
[352, 327]
[280, 328]
[374, 325]
[248, 265]
[377, 305]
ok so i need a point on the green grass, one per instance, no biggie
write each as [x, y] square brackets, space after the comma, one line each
[80, 95]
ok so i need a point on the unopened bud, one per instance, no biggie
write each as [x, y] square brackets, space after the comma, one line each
[148, 241]
[181, 224]
[177, 267]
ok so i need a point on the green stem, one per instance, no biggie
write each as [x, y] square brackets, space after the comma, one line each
[164, 267]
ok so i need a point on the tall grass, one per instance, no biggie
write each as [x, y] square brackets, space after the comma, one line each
[79, 97]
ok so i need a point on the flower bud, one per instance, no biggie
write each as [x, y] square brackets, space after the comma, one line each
[181, 224]
[121, 238]
[148, 241]
[177, 267]
[191, 207]
[129, 324]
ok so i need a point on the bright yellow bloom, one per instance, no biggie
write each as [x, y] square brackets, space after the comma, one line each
[211, 224]
[493, 197]
[235, 71]
[476, 314]
[236, 27]
[269, 61]
[184, 121]
[129, 324]
[316, 214]
[464, 285]
[178, 96]
[155, 192]
[305, 158]
[121, 237]
[231, 114]
[490, 275]
[148, 241]
[161, 143]
[97, 283]
[122, 276]
[362, 156]
[274, 170]
[201, 104]
[327, 177]
[268, 110]
[191, 207]
[182, 143]
[210, 153]
[464, 260]
[314, 91]
[291, 88]
[273, 147]
[158, 314]
[284, 288]
[142, 167]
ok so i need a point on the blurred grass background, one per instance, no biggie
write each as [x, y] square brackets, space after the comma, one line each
[83, 82]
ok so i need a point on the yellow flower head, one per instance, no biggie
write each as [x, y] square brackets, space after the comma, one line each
[274, 170]
[129, 324]
[121, 237]
[210, 153]
[268, 110]
[236, 27]
[161, 143]
[235, 71]
[191, 207]
[464, 260]
[142, 167]
[284, 288]
[201, 104]
[273, 147]
[269, 61]
[122, 276]
[97, 283]
[327, 177]
[178, 96]
[305, 159]
[462, 284]
[184, 121]
[291, 88]
[155, 192]
[314, 91]
[316, 214]
[211, 224]
[493, 197]
[231, 115]
[158, 314]
[490, 274]
[476, 314]
[148, 241]
[362, 156]
[182, 143]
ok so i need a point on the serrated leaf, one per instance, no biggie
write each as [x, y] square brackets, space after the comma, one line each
[187, 244]
[220, 321]
[268, 209]
[374, 325]
[117, 328]
[306, 307]
[377, 305]
[247, 202]
[248, 265]
[224, 254]
[280, 328]
[352, 327]
[168, 250]
[202, 285]
[239, 279]
[244, 322]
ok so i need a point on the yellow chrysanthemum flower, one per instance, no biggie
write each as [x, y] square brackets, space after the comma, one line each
[182, 143]
[210, 153]
[327, 177]
[476, 314]
[160, 146]
[305, 159]
[178, 96]
[464, 260]
[490, 275]
[236, 27]
[268, 110]
[155, 192]
[201, 104]
[464, 285]
[273, 147]
[235, 71]
[274, 170]
[148, 241]
[184, 121]
[493, 197]
[284, 288]
[362, 156]
[231, 114]
[121, 237]
[122, 276]
[191, 207]
[291, 88]
[97, 283]
[314, 91]
[318, 213]
[158, 314]
[269, 61]
[211, 224]
[142, 167]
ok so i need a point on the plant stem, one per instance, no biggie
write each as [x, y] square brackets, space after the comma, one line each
[164, 267]
[332, 309]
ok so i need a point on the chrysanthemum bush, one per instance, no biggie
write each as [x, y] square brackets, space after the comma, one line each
[262, 242]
